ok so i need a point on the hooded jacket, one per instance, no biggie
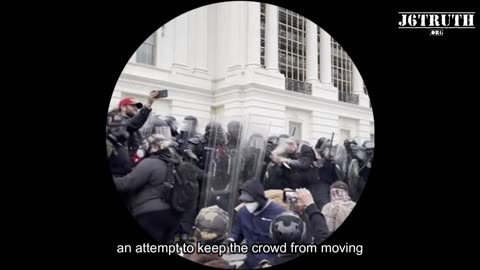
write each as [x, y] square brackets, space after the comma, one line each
[254, 227]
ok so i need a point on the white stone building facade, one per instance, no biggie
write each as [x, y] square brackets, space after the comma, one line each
[247, 58]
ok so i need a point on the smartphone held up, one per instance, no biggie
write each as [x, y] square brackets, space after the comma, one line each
[157, 94]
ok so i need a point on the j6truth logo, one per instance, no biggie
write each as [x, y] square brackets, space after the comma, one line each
[436, 22]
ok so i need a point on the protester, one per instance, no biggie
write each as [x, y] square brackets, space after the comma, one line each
[211, 226]
[339, 207]
[252, 222]
[136, 114]
[221, 161]
[150, 186]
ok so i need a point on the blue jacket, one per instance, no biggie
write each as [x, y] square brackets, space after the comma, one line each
[255, 229]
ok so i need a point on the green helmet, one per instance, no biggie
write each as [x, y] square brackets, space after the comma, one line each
[211, 224]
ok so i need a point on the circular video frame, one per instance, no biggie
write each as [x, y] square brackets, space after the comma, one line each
[236, 124]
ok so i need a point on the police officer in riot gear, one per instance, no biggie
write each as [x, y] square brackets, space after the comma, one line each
[197, 146]
[328, 173]
[234, 130]
[172, 123]
[253, 159]
[200, 149]
[188, 130]
[320, 143]
[359, 168]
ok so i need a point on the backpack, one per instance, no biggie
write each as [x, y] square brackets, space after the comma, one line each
[185, 191]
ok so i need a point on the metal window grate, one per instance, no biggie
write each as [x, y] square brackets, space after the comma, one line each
[298, 86]
[291, 44]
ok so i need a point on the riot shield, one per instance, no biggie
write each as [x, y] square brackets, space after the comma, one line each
[217, 166]
[232, 159]
[253, 156]
[163, 130]
[359, 153]
[341, 161]
[248, 157]
[149, 126]
[147, 129]
[187, 131]
[353, 179]
[252, 150]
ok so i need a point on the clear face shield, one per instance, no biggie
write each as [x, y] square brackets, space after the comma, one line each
[234, 132]
[187, 126]
[217, 136]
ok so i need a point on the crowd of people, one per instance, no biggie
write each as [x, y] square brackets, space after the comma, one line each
[223, 186]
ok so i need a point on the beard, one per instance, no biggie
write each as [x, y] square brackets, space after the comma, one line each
[130, 114]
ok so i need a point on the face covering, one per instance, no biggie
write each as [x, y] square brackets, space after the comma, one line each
[251, 207]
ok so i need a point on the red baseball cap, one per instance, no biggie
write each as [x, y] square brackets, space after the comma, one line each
[130, 101]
